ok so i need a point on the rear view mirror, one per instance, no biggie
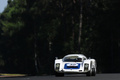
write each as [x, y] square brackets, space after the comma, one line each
[56, 57]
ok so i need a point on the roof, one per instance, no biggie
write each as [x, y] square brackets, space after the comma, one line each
[79, 55]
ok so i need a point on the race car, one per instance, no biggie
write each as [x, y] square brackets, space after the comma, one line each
[75, 63]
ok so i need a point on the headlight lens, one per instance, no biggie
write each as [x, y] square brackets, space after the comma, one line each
[86, 66]
[57, 66]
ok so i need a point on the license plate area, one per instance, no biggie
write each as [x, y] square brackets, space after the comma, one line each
[72, 66]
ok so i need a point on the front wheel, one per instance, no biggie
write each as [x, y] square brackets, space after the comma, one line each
[89, 73]
[59, 74]
[93, 72]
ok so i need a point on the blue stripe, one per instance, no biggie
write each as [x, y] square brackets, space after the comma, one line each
[77, 67]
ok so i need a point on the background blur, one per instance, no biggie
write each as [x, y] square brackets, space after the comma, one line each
[34, 32]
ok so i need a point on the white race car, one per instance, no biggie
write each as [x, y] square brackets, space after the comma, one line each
[75, 63]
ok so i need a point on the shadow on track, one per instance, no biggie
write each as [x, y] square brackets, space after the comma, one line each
[75, 75]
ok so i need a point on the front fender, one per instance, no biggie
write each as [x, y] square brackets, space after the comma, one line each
[91, 62]
[58, 62]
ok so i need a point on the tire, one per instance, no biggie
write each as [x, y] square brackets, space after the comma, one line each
[93, 72]
[59, 74]
[89, 73]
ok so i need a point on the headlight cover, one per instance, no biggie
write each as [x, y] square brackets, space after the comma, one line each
[86, 66]
[57, 66]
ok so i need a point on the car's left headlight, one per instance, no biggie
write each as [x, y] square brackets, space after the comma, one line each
[57, 66]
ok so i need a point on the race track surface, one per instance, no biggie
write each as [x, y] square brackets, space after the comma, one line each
[67, 77]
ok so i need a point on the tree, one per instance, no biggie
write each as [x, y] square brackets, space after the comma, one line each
[34, 32]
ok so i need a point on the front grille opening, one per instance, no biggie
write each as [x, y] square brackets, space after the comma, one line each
[72, 66]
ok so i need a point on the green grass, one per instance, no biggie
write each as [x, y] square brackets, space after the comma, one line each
[5, 74]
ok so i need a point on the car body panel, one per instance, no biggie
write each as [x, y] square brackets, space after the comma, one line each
[71, 64]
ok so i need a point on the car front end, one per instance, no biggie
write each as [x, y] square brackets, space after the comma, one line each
[75, 64]
[72, 67]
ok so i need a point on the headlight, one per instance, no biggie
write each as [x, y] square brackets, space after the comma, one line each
[57, 66]
[86, 66]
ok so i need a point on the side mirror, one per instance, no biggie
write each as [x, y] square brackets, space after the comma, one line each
[56, 57]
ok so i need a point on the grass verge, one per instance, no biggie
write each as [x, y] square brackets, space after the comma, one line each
[12, 75]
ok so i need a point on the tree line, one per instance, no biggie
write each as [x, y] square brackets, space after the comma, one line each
[34, 32]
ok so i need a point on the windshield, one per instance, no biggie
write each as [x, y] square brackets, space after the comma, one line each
[72, 59]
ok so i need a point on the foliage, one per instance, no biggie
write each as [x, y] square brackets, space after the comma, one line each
[39, 30]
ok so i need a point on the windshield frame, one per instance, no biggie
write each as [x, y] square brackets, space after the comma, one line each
[72, 59]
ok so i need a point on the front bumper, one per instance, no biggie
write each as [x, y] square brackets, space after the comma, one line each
[71, 68]
[72, 71]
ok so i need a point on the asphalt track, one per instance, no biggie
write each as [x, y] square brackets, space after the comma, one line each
[67, 77]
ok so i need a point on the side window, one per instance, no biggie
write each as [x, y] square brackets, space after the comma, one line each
[79, 59]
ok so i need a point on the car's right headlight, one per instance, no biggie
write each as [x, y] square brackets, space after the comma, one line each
[86, 66]
[57, 66]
